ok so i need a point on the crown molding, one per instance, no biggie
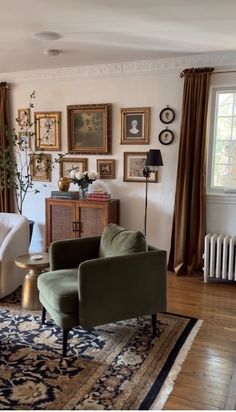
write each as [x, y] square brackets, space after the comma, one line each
[172, 64]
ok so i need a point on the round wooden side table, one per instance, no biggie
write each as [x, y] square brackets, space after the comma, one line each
[35, 266]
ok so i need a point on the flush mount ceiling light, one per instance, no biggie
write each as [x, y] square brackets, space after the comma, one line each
[52, 52]
[47, 35]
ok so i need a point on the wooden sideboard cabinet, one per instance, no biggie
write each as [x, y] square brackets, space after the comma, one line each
[69, 219]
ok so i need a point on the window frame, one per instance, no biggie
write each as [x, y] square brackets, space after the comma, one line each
[210, 189]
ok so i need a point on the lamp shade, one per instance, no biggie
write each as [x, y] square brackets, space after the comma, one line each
[154, 158]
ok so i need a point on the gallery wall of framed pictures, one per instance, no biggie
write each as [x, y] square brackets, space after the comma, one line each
[89, 132]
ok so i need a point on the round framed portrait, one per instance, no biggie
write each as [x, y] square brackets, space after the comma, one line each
[166, 136]
[167, 115]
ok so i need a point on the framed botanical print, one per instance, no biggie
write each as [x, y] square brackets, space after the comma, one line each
[106, 168]
[23, 118]
[40, 167]
[89, 128]
[47, 130]
[24, 139]
[134, 164]
[135, 125]
[67, 163]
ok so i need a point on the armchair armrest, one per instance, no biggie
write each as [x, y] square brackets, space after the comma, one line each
[122, 287]
[69, 253]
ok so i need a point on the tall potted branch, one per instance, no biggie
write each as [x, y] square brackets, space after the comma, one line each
[17, 161]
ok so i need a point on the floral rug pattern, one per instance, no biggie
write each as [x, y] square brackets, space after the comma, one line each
[116, 366]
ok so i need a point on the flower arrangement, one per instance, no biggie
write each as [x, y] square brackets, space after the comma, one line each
[82, 179]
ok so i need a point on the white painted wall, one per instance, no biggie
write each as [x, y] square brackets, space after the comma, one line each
[149, 83]
[134, 90]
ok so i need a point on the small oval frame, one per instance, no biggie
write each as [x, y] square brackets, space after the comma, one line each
[166, 136]
[167, 115]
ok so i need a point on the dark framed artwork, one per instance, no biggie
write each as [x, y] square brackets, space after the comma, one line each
[67, 163]
[135, 125]
[167, 115]
[106, 168]
[134, 164]
[89, 128]
[166, 136]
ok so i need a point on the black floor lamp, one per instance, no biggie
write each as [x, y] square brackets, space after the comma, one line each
[153, 161]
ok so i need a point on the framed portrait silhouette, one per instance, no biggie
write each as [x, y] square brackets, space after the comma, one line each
[135, 125]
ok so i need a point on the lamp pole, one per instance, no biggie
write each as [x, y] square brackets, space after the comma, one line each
[146, 173]
[153, 161]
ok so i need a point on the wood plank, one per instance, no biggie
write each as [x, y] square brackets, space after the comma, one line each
[231, 395]
[206, 375]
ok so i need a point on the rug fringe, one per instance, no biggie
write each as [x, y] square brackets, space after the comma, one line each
[167, 388]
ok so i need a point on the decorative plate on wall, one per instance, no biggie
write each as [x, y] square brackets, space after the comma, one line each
[166, 136]
[167, 115]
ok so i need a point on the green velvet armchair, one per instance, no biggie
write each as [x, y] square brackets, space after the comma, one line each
[98, 280]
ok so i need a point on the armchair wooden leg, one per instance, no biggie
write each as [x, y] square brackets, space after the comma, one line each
[43, 315]
[154, 325]
[65, 332]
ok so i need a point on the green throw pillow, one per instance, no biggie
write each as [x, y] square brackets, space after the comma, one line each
[116, 241]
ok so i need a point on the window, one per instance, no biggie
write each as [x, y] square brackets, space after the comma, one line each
[222, 144]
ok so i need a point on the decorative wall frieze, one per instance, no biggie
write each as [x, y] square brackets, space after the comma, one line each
[173, 64]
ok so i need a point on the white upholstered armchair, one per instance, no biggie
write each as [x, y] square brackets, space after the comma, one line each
[14, 241]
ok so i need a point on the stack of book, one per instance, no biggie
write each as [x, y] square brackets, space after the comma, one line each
[99, 196]
[57, 194]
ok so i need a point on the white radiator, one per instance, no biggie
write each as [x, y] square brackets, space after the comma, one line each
[220, 257]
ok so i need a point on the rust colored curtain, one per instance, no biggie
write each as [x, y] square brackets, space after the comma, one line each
[188, 228]
[6, 195]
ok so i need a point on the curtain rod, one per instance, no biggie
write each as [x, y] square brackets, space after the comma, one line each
[215, 72]
[224, 71]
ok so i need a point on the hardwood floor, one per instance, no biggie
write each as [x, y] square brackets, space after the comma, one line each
[207, 378]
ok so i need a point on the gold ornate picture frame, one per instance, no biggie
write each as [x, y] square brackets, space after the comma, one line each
[134, 164]
[47, 131]
[40, 167]
[23, 118]
[106, 168]
[89, 128]
[135, 125]
[67, 163]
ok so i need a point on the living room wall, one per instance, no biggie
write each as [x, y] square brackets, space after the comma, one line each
[154, 83]
[123, 91]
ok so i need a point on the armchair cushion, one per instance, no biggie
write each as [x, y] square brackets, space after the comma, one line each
[60, 289]
[117, 241]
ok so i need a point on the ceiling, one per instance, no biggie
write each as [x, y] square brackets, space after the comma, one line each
[109, 31]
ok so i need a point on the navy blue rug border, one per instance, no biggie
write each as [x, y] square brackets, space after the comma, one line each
[160, 379]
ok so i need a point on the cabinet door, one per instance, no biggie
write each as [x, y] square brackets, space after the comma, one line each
[92, 219]
[61, 221]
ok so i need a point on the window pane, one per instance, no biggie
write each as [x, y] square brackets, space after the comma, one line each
[234, 128]
[223, 162]
[221, 175]
[224, 128]
[225, 104]
[232, 176]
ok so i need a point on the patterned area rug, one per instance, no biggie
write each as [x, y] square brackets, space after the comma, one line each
[117, 366]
